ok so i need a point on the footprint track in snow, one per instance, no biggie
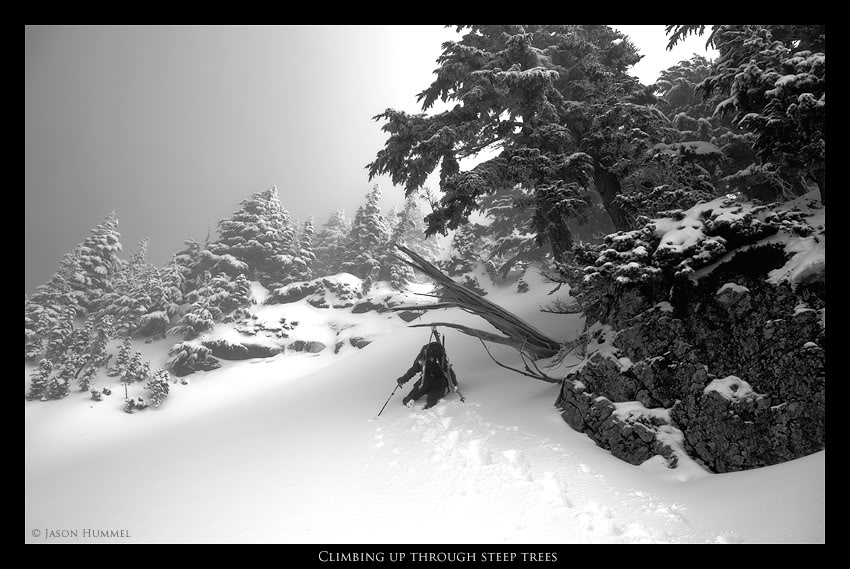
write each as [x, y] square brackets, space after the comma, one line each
[487, 461]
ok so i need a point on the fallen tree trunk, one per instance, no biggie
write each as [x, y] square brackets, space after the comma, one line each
[490, 337]
[517, 333]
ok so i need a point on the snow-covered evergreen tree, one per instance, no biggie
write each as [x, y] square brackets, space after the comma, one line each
[144, 373]
[59, 384]
[197, 320]
[368, 238]
[133, 369]
[49, 312]
[186, 261]
[99, 263]
[39, 379]
[124, 356]
[398, 273]
[261, 234]
[415, 227]
[219, 262]
[156, 320]
[59, 333]
[173, 288]
[35, 328]
[330, 244]
[465, 250]
[304, 261]
[136, 289]
[465, 254]
[91, 350]
[392, 217]
[240, 292]
[409, 230]
[775, 79]
[158, 386]
[204, 310]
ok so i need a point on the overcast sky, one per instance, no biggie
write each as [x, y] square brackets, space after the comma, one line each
[173, 126]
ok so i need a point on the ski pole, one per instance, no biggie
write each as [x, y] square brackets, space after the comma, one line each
[388, 400]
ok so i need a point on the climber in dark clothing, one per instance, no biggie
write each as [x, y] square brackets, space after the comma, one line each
[436, 371]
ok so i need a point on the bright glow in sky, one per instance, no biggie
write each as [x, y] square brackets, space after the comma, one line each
[172, 126]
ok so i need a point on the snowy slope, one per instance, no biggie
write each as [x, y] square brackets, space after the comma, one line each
[288, 450]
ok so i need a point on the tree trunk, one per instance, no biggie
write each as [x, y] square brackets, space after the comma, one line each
[561, 240]
[518, 333]
[608, 185]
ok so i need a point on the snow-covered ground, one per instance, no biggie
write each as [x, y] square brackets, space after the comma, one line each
[289, 450]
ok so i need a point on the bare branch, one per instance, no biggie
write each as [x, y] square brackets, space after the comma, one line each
[480, 334]
[545, 378]
[423, 307]
[537, 343]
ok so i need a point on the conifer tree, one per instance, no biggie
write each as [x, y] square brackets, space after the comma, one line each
[392, 217]
[398, 273]
[368, 238]
[39, 379]
[59, 334]
[415, 236]
[240, 292]
[144, 373]
[305, 260]
[91, 354]
[775, 79]
[330, 244]
[464, 252]
[50, 309]
[187, 260]
[136, 289]
[197, 320]
[99, 263]
[531, 92]
[156, 319]
[133, 369]
[173, 288]
[35, 328]
[124, 356]
[261, 234]
[59, 384]
[158, 386]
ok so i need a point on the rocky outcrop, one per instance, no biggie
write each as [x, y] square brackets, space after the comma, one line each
[356, 341]
[294, 292]
[309, 347]
[758, 339]
[240, 351]
[340, 291]
[359, 342]
[714, 327]
[632, 437]
[369, 306]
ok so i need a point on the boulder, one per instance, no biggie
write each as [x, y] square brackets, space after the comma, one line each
[359, 342]
[408, 316]
[240, 351]
[369, 306]
[740, 369]
[294, 292]
[309, 347]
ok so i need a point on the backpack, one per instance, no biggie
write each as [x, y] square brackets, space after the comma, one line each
[435, 365]
[432, 360]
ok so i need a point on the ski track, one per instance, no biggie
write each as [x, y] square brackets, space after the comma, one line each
[484, 465]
